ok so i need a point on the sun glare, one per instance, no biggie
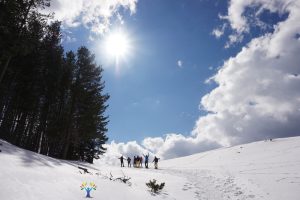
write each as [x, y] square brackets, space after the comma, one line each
[117, 44]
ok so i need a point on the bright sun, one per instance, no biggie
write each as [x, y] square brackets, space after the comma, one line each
[117, 44]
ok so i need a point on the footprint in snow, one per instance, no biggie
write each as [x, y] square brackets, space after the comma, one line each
[187, 186]
[238, 193]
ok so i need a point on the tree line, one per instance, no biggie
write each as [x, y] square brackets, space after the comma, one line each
[51, 102]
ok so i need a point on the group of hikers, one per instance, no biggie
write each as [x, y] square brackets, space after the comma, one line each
[138, 161]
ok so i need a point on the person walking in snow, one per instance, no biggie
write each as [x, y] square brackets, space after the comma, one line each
[141, 161]
[129, 161]
[122, 161]
[134, 161]
[155, 160]
[146, 160]
[137, 163]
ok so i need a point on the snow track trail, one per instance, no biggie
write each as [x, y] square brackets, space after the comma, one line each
[205, 185]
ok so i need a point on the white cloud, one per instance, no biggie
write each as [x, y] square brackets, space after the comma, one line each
[153, 144]
[241, 21]
[171, 146]
[233, 39]
[116, 150]
[258, 90]
[95, 15]
[68, 37]
[218, 32]
[180, 63]
[177, 145]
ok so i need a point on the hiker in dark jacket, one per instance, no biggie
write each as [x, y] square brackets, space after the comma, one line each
[129, 161]
[141, 161]
[134, 161]
[146, 160]
[137, 163]
[155, 160]
[122, 161]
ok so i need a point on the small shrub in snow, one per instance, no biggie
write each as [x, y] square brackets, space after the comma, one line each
[124, 179]
[155, 187]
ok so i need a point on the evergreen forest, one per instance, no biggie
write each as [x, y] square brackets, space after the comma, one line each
[51, 101]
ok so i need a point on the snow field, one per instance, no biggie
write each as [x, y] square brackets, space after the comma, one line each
[260, 170]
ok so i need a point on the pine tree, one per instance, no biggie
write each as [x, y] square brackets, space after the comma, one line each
[14, 19]
[155, 187]
[88, 107]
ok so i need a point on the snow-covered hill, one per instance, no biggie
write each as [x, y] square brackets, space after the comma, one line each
[260, 170]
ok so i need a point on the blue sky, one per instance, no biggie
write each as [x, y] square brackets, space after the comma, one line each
[249, 50]
[152, 95]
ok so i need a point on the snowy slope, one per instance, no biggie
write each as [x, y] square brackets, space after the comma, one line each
[260, 170]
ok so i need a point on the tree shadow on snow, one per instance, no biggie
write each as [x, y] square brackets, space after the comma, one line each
[28, 157]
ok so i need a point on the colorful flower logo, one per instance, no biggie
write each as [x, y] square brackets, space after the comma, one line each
[88, 189]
